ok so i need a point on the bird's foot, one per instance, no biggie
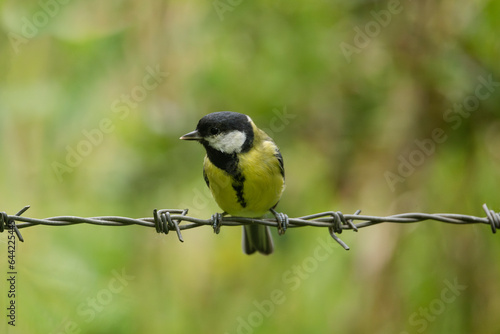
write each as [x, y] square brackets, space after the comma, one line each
[282, 220]
[217, 221]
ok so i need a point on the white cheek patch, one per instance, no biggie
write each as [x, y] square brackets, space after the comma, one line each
[231, 142]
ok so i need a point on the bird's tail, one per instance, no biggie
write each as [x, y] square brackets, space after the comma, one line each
[257, 238]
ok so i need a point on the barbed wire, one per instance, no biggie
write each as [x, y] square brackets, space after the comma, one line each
[168, 220]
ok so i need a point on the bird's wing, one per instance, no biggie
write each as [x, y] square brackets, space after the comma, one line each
[280, 160]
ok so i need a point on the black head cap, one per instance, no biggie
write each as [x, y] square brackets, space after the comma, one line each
[223, 121]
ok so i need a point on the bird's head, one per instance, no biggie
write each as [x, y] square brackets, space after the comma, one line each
[225, 131]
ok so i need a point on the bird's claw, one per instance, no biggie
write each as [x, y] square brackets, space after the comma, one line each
[282, 220]
[217, 222]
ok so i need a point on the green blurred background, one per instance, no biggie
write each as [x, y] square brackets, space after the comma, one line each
[376, 105]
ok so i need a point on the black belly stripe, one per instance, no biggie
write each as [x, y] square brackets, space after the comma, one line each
[229, 164]
[238, 182]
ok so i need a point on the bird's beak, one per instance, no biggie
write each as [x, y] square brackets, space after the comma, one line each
[193, 135]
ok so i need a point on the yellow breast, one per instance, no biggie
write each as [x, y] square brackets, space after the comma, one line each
[263, 182]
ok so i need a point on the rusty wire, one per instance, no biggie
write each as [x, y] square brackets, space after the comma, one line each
[171, 220]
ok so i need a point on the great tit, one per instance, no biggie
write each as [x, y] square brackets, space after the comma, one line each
[243, 169]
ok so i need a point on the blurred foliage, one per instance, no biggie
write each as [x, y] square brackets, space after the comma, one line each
[350, 91]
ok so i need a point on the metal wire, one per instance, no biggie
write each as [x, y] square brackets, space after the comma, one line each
[166, 220]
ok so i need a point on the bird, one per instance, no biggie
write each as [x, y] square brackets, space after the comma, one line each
[244, 170]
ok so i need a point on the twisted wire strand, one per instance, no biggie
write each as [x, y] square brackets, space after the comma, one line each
[167, 220]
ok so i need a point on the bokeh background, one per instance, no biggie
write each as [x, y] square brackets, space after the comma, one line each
[385, 106]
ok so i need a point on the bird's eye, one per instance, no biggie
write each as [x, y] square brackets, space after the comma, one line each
[214, 131]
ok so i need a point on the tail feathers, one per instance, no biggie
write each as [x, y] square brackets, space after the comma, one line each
[257, 238]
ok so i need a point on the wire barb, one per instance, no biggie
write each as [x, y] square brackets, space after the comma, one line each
[10, 222]
[339, 223]
[165, 220]
[493, 218]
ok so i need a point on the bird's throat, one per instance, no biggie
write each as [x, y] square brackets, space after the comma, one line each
[228, 162]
